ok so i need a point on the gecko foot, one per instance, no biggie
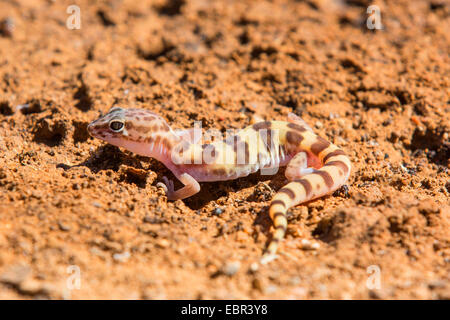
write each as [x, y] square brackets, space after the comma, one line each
[168, 186]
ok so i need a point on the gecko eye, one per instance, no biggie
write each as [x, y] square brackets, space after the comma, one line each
[116, 126]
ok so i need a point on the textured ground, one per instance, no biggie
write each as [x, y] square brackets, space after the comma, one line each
[69, 200]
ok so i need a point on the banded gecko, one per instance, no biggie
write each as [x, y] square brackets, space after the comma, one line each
[314, 166]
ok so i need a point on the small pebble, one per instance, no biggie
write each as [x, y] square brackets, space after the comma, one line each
[22, 107]
[376, 294]
[436, 284]
[294, 281]
[231, 268]
[257, 284]
[271, 289]
[218, 211]
[121, 257]
[318, 125]
[15, 275]
[254, 267]
[299, 292]
[149, 219]
[96, 251]
[96, 204]
[306, 244]
[33, 287]
[163, 243]
[341, 123]
[63, 227]
[7, 27]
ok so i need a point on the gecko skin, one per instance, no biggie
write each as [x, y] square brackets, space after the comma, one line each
[314, 166]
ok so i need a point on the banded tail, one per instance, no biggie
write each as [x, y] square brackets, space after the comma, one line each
[313, 184]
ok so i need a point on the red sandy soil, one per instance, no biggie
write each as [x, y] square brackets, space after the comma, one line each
[67, 199]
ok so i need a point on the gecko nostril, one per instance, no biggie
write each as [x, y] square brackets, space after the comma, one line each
[90, 128]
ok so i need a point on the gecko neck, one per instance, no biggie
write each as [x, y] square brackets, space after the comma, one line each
[159, 146]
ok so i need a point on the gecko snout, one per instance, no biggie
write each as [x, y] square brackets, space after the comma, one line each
[91, 128]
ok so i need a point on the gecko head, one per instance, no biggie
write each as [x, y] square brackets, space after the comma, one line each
[120, 125]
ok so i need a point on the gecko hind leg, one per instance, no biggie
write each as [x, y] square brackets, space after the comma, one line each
[298, 167]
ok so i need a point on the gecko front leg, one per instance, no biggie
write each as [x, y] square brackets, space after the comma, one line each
[191, 187]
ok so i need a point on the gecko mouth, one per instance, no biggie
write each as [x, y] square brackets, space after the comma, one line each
[92, 130]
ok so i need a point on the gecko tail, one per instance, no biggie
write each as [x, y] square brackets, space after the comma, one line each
[332, 175]
[289, 196]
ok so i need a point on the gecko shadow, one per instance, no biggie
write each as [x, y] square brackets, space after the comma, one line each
[212, 191]
[110, 158]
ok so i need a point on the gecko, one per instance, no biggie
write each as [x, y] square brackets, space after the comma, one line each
[314, 166]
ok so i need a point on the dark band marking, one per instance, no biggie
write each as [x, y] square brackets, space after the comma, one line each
[138, 138]
[167, 143]
[233, 140]
[149, 118]
[143, 129]
[280, 202]
[278, 214]
[267, 137]
[296, 127]
[326, 177]
[262, 125]
[209, 151]
[293, 137]
[307, 185]
[320, 145]
[154, 128]
[280, 226]
[164, 127]
[219, 172]
[335, 153]
[242, 149]
[114, 109]
[129, 125]
[247, 152]
[288, 192]
[339, 164]
[281, 150]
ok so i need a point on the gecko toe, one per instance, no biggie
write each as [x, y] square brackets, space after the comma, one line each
[163, 186]
[167, 185]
